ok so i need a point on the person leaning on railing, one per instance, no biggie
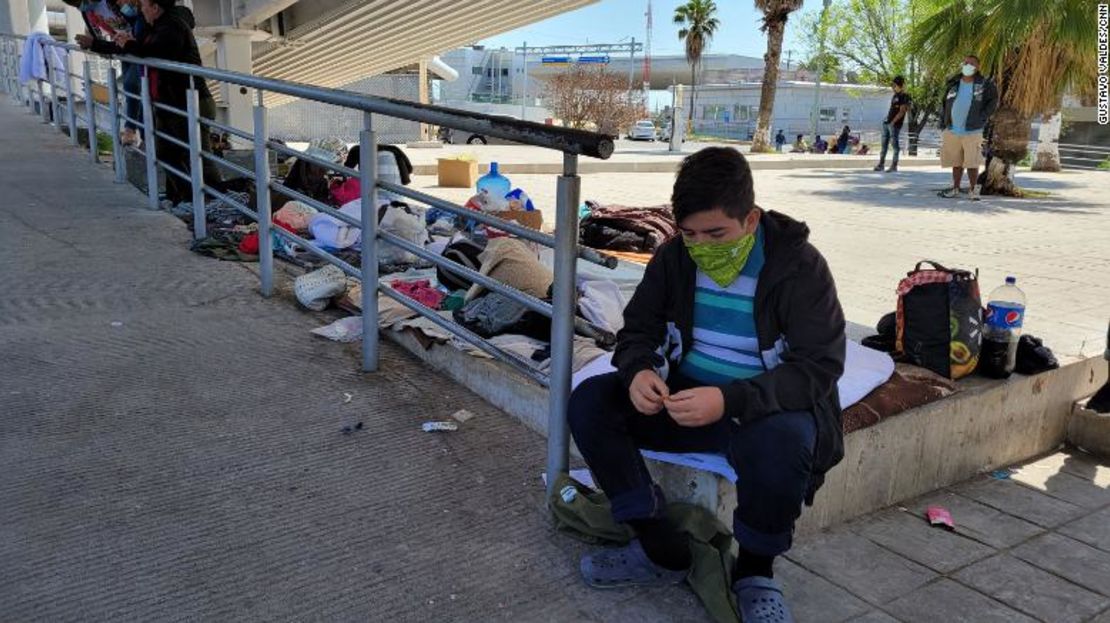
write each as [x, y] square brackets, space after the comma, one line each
[170, 37]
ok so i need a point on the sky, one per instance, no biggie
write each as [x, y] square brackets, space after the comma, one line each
[615, 21]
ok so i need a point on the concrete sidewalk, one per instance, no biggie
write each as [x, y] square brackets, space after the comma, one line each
[170, 443]
[1030, 544]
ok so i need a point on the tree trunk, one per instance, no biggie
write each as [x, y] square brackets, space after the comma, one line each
[1048, 143]
[917, 123]
[693, 90]
[1009, 144]
[761, 142]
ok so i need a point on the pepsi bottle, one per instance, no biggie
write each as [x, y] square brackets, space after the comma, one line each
[1001, 330]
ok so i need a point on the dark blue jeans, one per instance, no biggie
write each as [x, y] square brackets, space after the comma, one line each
[891, 134]
[132, 83]
[773, 459]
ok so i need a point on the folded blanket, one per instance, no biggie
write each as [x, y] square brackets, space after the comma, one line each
[909, 387]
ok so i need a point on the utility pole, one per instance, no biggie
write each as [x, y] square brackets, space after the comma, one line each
[820, 69]
[631, 66]
[524, 97]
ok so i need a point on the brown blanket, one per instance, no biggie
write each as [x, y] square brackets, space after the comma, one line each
[909, 387]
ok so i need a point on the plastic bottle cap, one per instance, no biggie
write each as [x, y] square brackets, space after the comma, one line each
[1011, 281]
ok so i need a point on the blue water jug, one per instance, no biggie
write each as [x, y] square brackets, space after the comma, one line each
[493, 187]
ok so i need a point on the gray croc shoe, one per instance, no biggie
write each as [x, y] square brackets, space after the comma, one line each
[626, 566]
[760, 600]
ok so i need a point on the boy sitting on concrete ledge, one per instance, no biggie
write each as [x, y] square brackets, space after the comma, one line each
[732, 343]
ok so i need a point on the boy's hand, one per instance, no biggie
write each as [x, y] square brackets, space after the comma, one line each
[84, 41]
[696, 407]
[648, 391]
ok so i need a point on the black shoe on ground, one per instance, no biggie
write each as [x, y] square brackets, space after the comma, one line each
[878, 167]
[892, 169]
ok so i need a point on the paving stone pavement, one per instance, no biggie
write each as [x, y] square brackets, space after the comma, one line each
[170, 449]
[1025, 548]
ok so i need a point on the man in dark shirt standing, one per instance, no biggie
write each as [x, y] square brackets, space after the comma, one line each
[169, 36]
[892, 125]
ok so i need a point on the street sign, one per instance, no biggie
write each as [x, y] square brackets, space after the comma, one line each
[555, 60]
[594, 60]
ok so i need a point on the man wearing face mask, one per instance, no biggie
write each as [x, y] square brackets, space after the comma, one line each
[733, 343]
[969, 101]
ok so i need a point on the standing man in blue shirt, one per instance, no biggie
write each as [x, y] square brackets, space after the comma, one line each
[969, 101]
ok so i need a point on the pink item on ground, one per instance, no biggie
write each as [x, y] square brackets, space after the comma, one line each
[939, 516]
[420, 291]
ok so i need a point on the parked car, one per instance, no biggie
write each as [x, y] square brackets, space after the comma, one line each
[643, 131]
[457, 137]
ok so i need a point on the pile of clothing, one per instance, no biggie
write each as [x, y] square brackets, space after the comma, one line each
[622, 228]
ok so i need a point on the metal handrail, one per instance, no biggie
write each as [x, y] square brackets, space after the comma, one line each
[566, 140]
[571, 142]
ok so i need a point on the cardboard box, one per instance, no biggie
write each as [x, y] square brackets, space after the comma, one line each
[100, 94]
[532, 219]
[454, 173]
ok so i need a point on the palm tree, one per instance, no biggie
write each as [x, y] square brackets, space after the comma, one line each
[775, 14]
[698, 25]
[1035, 51]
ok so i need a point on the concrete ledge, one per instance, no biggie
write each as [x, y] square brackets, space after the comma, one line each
[499, 385]
[1090, 431]
[989, 424]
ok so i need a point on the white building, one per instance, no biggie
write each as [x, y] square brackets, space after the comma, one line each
[732, 110]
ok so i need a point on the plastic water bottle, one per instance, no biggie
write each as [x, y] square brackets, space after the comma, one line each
[493, 187]
[1001, 330]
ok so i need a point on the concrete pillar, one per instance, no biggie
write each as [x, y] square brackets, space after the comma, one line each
[23, 16]
[422, 77]
[75, 25]
[36, 15]
[233, 52]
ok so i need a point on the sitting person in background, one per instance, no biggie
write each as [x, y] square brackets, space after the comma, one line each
[843, 140]
[863, 150]
[820, 145]
[800, 146]
[309, 178]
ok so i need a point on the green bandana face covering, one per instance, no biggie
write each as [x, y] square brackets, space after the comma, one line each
[722, 261]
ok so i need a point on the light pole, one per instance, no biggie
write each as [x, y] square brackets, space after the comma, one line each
[820, 68]
[524, 96]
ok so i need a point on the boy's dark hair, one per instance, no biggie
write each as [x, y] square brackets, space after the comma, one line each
[899, 80]
[974, 57]
[715, 177]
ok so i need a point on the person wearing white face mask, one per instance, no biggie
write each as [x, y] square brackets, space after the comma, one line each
[969, 101]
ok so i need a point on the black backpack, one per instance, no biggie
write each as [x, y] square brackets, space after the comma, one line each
[464, 251]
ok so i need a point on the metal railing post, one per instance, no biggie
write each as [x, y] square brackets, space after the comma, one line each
[262, 198]
[149, 141]
[196, 168]
[43, 109]
[55, 111]
[567, 193]
[113, 112]
[71, 111]
[368, 180]
[90, 110]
